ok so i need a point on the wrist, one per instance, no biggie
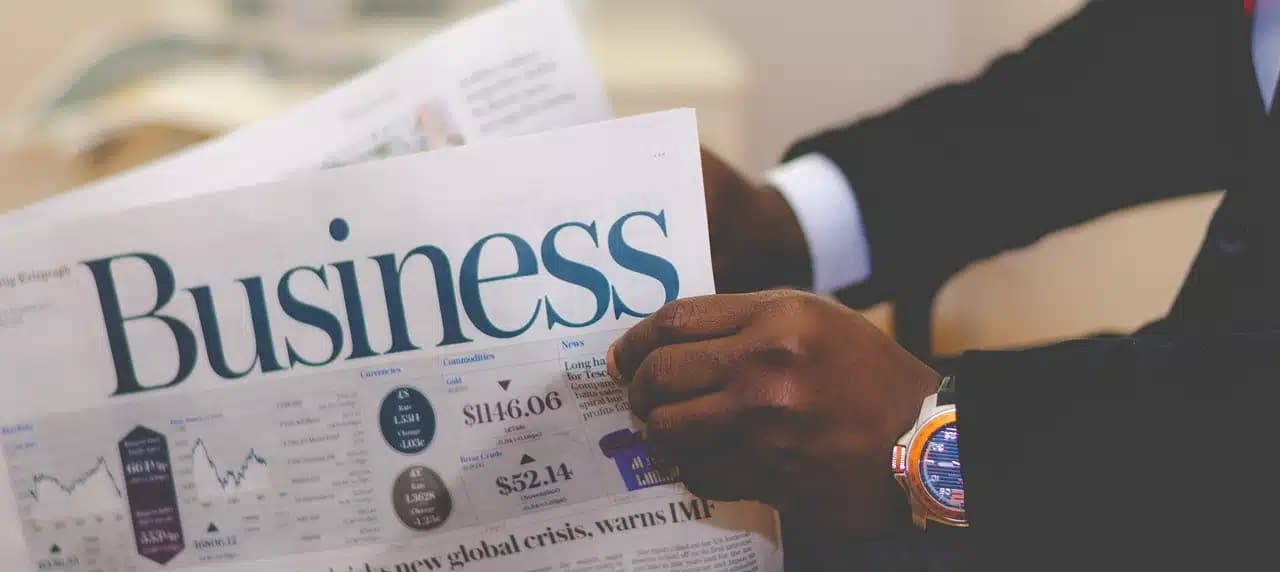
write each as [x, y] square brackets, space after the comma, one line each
[769, 249]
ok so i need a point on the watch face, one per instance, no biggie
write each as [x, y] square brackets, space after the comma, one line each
[940, 467]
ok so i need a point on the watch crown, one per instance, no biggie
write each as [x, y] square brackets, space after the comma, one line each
[899, 462]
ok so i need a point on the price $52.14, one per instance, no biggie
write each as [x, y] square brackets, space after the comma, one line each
[534, 479]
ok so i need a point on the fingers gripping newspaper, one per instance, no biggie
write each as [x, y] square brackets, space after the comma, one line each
[391, 366]
[519, 68]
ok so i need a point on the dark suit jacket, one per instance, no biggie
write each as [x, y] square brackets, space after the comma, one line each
[1148, 451]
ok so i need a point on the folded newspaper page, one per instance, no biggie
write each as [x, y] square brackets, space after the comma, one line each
[395, 366]
[519, 68]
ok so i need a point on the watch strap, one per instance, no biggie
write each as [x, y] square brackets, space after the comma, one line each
[947, 390]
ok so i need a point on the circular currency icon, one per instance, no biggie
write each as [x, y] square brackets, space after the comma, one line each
[420, 498]
[407, 420]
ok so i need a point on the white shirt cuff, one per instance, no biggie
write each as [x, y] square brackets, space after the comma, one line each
[827, 210]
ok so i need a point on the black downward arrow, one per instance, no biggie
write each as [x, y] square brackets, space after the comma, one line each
[505, 383]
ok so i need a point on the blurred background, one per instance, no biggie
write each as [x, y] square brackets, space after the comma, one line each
[90, 88]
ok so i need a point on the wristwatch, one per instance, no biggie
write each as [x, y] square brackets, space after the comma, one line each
[926, 461]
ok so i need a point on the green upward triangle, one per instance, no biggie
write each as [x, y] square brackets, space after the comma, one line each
[213, 527]
[55, 549]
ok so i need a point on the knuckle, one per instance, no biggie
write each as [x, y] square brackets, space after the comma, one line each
[661, 425]
[784, 351]
[784, 303]
[777, 395]
[792, 305]
[659, 366]
[793, 309]
[671, 320]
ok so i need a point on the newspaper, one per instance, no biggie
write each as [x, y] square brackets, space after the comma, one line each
[394, 366]
[519, 68]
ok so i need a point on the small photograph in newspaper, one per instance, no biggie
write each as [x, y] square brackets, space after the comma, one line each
[392, 366]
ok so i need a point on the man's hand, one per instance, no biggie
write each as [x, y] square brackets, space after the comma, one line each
[779, 396]
[756, 242]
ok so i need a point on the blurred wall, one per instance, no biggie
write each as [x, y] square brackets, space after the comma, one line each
[986, 28]
[817, 63]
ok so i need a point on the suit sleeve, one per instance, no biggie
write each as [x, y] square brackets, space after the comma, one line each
[1149, 453]
[1116, 106]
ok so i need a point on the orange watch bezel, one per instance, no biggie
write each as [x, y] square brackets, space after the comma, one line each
[934, 509]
